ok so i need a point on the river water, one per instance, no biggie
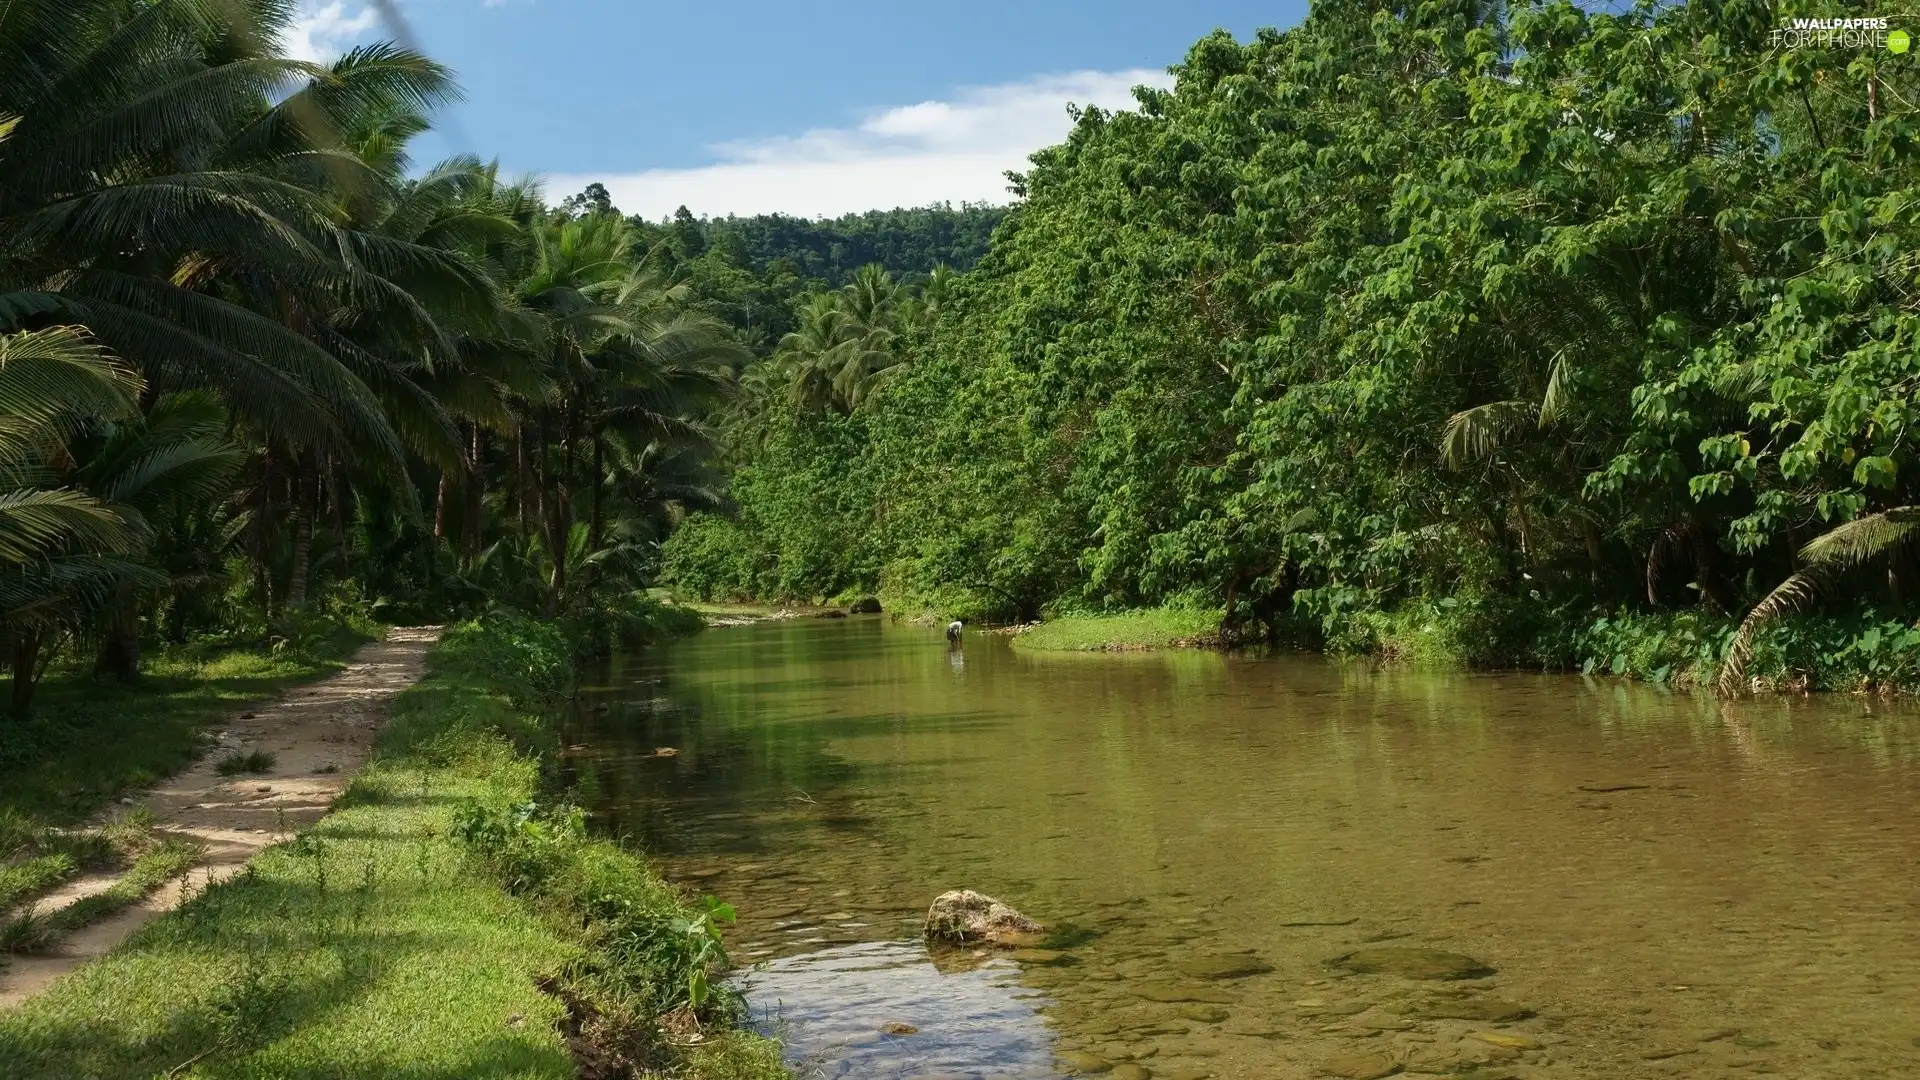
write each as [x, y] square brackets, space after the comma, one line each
[1528, 876]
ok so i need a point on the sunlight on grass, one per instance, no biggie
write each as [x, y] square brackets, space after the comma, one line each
[1150, 628]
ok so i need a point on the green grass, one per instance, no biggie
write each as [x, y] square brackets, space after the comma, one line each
[29, 931]
[379, 943]
[237, 763]
[1150, 628]
[90, 740]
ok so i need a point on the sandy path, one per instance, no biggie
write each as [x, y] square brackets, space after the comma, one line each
[319, 734]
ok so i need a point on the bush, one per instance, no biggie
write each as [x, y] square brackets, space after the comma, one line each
[710, 557]
[526, 659]
[1863, 651]
[627, 622]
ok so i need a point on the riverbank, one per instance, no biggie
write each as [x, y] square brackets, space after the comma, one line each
[437, 923]
[1859, 653]
[1127, 631]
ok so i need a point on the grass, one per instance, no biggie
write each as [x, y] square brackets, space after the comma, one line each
[91, 740]
[1149, 628]
[29, 931]
[404, 935]
[237, 763]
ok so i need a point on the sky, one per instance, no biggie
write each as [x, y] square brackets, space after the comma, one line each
[761, 106]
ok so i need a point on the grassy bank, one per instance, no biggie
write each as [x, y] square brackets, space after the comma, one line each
[1149, 628]
[90, 739]
[1859, 652]
[438, 924]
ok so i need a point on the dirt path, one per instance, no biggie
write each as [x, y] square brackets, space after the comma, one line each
[319, 734]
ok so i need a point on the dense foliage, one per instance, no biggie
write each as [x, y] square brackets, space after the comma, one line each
[255, 367]
[1475, 324]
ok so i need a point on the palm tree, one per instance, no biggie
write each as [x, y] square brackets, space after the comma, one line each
[1875, 537]
[57, 542]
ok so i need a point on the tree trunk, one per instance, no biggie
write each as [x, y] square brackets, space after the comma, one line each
[26, 670]
[594, 523]
[554, 513]
[119, 654]
[470, 540]
[303, 499]
[440, 507]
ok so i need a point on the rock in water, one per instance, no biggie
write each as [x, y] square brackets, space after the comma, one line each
[1224, 966]
[1361, 1066]
[866, 605]
[1412, 963]
[964, 916]
[1489, 1010]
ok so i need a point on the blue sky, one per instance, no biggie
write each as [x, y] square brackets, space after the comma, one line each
[755, 106]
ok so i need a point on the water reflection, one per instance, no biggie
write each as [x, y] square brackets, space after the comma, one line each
[882, 1009]
[1665, 888]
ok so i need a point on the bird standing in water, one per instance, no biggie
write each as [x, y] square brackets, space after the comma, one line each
[953, 630]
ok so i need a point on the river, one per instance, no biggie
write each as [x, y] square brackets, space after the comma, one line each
[1527, 875]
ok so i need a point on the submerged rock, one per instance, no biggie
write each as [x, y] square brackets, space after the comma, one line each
[895, 1027]
[1361, 1066]
[1487, 1010]
[964, 916]
[1173, 993]
[1412, 963]
[1225, 966]
[1081, 1063]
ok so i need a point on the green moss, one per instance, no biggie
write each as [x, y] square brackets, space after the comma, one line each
[1150, 628]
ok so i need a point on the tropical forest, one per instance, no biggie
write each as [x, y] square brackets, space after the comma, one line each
[1301, 544]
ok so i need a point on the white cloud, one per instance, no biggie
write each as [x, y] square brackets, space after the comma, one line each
[909, 155]
[321, 32]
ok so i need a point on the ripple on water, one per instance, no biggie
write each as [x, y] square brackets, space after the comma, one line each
[830, 1006]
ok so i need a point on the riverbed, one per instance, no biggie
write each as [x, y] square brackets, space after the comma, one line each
[1279, 866]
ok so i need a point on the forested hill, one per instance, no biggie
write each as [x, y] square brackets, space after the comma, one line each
[908, 243]
[1520, 333]
[755, 273]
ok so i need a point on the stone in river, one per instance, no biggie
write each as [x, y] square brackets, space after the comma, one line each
[1224, 966]
[1205, 1014]
[1504, 1039]
[1131, 1071]
[1360, 1066]
[895, 1027]
[1412, 963]
[1173, 993]
[1485, 1010]
[1081, 1063]
[964, 916]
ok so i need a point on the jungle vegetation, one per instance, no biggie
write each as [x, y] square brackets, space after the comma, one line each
[259, 368]
[1530, 334]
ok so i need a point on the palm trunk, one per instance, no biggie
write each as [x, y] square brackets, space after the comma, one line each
[26, 670]
[594, 523]
[470, 541]
[303, 500]
[119, 654]
[440, 507]
[552, 510]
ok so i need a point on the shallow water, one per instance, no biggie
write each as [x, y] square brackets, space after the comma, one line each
[1662, 887]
